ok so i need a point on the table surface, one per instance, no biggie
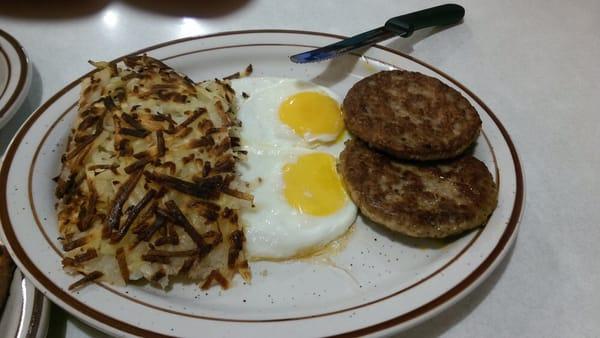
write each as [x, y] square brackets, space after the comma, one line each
[535, 63]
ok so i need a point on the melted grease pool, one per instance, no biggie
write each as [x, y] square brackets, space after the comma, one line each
[315, 255]
[320, 256]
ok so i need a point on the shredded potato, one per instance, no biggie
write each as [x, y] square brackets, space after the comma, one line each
[149, 187]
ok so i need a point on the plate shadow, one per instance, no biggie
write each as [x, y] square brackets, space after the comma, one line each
[189, 8]
[57, 9]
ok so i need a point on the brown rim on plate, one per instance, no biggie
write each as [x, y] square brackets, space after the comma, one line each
[22, 76]
[118, 293]
[8, 73]
[100, 317]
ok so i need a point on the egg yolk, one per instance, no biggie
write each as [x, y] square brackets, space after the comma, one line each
[312, 185]
[312, 113]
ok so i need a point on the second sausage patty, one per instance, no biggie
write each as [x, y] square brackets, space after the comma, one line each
[420, 200]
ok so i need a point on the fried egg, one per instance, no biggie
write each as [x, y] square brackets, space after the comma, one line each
[288, 112]
[293, 132]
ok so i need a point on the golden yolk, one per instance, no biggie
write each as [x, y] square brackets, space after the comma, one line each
[313, 186]
[312, 113]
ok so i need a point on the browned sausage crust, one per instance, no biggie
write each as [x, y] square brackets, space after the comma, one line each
[410, 116]
[421, 200]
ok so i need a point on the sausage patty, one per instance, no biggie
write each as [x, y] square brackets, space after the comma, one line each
[418, 199]
[410, 116]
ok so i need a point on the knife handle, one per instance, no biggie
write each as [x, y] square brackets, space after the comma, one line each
[406, 24]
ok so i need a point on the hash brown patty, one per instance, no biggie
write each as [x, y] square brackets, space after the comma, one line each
[418, 199]
[149, 187]
[410, 116]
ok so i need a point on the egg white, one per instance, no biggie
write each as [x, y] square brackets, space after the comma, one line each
[260, 111]
[274, 229]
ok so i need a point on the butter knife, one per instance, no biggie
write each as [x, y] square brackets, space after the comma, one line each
[403, 25]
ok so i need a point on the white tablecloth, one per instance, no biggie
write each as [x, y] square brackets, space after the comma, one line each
[535, 63]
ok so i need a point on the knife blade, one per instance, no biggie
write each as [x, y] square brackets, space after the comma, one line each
[403, 26]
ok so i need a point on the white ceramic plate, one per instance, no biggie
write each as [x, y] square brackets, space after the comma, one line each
[26, 311]
[15, 76]
[379, 284]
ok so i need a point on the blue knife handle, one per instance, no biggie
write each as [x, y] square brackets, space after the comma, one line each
[405, 25]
